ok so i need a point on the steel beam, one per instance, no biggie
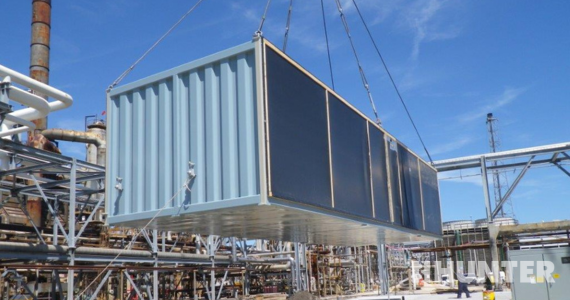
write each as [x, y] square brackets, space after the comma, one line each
[473, 161]
[50, 208]
[133, 284]
[89, 218]
[222, 285]
[485, 182]
[512, 188]
[562, 168]
[55, 183]
[27, 169]
[71, 231]
[19, 278]
[537, 162]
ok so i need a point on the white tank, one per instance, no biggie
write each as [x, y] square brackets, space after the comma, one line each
[458, 225]
[482, 223]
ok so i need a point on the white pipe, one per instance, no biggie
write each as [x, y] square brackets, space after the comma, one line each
[38, 106]
[29, 99]
[27, 126]
[63, 100]
[38, 87]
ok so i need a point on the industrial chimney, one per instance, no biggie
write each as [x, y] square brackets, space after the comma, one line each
[39, 70]
[39, 47]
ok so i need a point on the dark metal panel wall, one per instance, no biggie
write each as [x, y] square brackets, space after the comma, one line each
[298, 134]
[322, 152]
[379, 173]
[430, 194]
[410, 181]
[350, 161]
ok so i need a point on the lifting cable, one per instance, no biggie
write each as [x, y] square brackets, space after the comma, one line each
[362, 75]
[327, 40]
[286, 37]
[392, 80]
[259, 33]
[120, 78]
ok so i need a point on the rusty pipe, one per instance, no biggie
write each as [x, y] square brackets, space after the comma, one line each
[74, 136]
[40, 47]
[80, 137]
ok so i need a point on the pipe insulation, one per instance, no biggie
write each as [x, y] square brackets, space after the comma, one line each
[59, 249]
[39, 105]
[62, 99]
[26, 126]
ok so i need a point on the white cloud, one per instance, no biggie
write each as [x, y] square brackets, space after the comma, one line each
[248, 13]
[451, 146]
[425, 19]
[508, 96]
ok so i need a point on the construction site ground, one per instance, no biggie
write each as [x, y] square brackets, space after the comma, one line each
[428, 292]
[505, 295]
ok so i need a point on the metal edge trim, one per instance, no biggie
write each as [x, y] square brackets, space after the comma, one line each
[421, 194]
[389, 178]
[264, 129]
[370, 170]
[175, 211]
[107, 160]
[184, 67]
[330, 147]
[401, 197]
[261, 133]
[348, 217]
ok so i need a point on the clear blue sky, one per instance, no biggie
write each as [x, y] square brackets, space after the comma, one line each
[453, 60]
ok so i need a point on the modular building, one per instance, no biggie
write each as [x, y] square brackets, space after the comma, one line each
[276, 154]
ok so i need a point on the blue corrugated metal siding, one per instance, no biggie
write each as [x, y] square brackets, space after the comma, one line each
[204, 112]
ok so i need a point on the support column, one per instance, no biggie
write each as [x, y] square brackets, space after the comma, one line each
[121, 289]
[155, 272]
[234, 250]
[295, 285]
[212, 247]
[492, 237]
[485, 182]
[450, 269]
[71, 229]
[382, 270]
[194, 285]
[493, 234]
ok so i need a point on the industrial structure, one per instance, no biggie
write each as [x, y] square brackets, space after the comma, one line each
[235, 175]
[273, 237]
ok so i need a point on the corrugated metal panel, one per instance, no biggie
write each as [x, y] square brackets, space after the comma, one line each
[203, 112]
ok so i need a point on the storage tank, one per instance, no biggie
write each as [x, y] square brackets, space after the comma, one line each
[497, 221]
[458, 225]
[276, 154]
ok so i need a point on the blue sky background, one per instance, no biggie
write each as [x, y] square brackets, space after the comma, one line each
[454, 61]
